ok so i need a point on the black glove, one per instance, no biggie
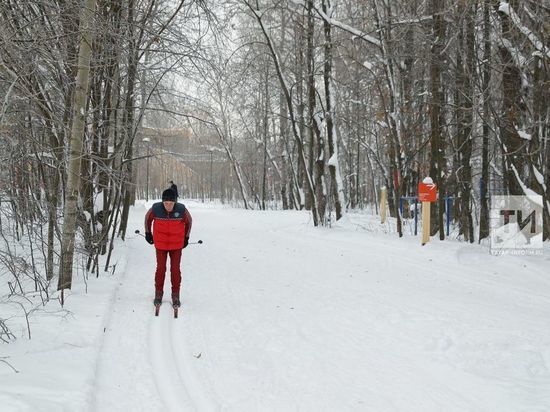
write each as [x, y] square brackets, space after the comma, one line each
[185, 242]
[149, 237]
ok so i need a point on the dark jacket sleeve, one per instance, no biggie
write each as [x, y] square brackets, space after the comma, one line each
[149, 220]
[188, 220]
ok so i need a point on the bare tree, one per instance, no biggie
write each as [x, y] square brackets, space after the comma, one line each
[75, 146]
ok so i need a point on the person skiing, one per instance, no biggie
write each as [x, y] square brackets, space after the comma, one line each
[174, 187]
[167, 226]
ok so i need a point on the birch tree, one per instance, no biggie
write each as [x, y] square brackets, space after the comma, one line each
[75, 145]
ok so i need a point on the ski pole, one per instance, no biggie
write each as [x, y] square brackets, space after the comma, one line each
[198, 242]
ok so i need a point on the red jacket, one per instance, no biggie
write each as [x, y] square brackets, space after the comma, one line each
[169, 229]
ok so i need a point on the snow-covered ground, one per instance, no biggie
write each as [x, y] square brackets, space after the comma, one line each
[280, 316]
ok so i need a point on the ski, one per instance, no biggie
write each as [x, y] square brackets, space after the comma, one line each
[174, 306]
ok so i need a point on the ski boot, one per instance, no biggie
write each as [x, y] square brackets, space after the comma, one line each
[176, 300]
[157, 302]
[176, 303]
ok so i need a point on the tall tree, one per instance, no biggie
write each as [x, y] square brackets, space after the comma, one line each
[485, 92]
[466, 71]
[331, 131]
[437, 119]
[75, 144]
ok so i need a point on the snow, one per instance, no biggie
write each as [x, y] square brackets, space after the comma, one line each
[524, 135]
[368, 65]
[278, 315]
[539, 177]
[512, 237]
[333, 161]
[504, 7]
[530, 193]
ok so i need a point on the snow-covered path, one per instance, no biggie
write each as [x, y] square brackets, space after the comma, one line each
[277, 315]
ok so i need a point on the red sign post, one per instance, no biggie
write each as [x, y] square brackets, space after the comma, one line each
[427, 192]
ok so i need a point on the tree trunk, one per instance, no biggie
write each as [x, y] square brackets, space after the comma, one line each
[333, 164]
[265, 133]
[392, 112]
[465, 72]
[313, 167]
[128, 121]
[75, 146]
[437, 160]
[484, 183]
[513, 146]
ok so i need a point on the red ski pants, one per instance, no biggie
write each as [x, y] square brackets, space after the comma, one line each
[175, 273]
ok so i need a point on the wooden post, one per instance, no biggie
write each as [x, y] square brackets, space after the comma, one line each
[427, 193]
[425, 222]
[383, 202]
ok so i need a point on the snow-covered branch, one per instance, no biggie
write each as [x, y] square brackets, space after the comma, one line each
[358, 33]
[535, 41]
[343, 26]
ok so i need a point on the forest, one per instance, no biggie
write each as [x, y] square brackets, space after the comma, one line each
[263, 104]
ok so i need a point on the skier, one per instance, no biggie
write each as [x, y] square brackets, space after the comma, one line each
[171, 224]
[174, 187]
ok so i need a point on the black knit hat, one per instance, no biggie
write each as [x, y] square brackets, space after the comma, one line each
[169, 195]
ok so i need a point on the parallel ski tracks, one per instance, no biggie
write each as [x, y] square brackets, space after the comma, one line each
[166, 370]
[175, 377]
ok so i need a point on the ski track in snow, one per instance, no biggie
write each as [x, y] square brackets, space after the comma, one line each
[168, 379]
[123, 373]
[172, 364]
